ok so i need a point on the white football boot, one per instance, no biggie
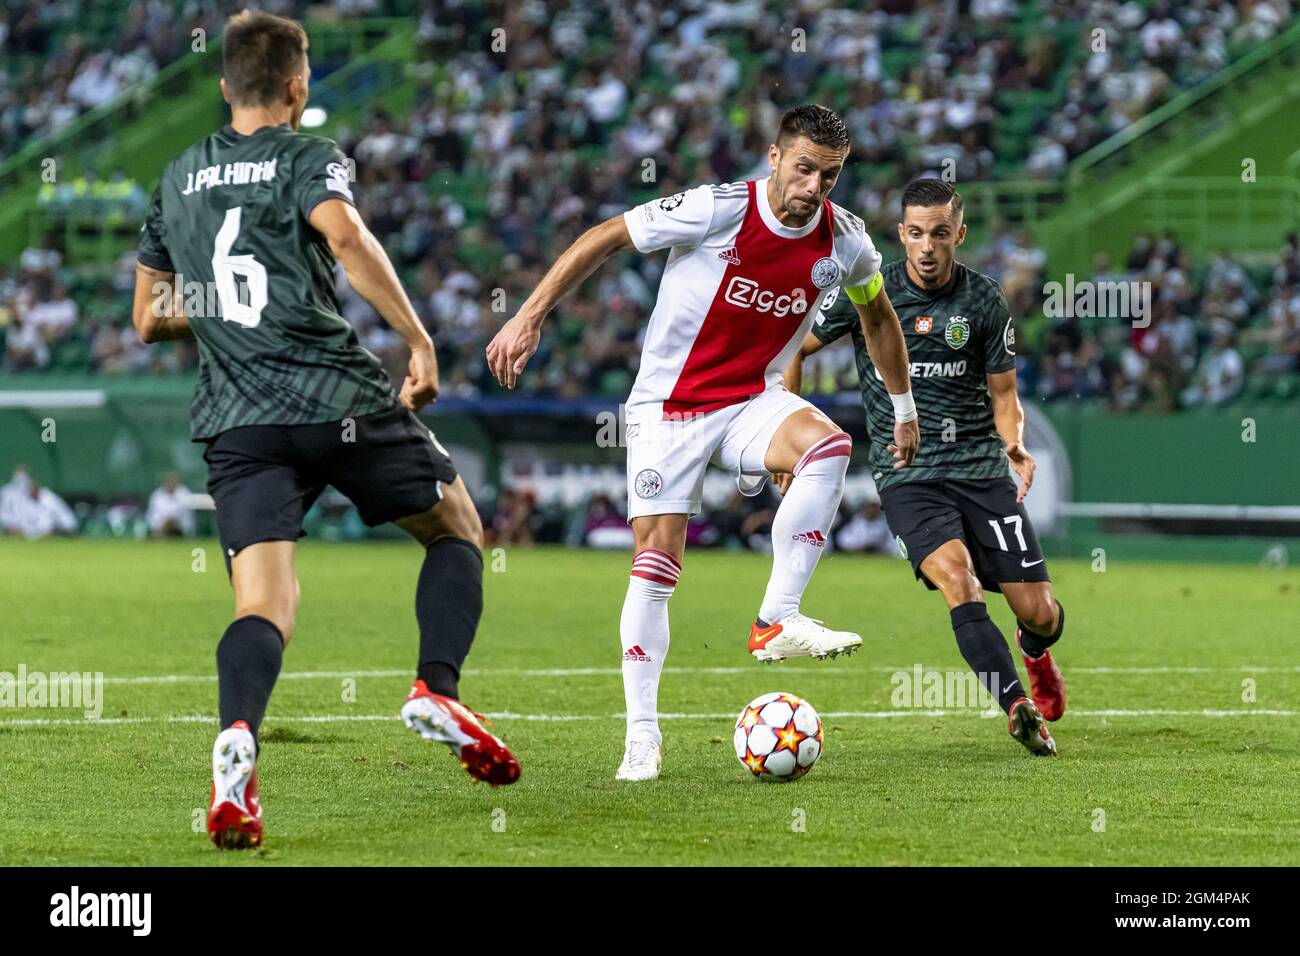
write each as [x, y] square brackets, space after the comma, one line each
[641, 761]
[235, 810]
[799, 636]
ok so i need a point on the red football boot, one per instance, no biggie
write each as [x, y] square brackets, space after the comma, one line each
[448, 721]
[235, 813]
[1045, 682]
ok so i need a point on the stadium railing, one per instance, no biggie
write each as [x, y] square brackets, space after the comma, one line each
[1198, 474]
[1105, 195]
[1194, 112]
[138, 132]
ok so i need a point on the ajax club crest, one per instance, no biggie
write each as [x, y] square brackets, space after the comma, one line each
[825, 272]
[648, 483]
[957, 332]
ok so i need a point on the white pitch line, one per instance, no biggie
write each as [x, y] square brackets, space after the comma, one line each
[564, 718]
[616, 671]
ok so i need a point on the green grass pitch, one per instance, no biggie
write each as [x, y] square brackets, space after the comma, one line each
[1157, 765]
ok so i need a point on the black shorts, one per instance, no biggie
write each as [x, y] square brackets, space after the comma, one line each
[264, 478]
[981, 513]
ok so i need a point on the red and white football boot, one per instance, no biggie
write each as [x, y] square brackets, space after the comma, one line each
[1026, 725]
[235, 813]
[1045, 682]
[448, 721]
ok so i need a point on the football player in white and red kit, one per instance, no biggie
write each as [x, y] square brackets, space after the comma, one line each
[749, 267]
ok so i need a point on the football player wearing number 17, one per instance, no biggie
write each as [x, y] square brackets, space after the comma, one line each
[751, 262]
[288, 401]
[956, 513]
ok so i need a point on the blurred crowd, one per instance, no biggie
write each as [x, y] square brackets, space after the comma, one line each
[1214, 324]
[738, 523]
[504, 159]
[31, 510]
[1143, 54]
[60, 59]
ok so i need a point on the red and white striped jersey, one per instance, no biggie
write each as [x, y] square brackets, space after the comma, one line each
[739, 292]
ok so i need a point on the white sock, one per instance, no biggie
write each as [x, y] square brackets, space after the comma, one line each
[643, 630]
[802, 523]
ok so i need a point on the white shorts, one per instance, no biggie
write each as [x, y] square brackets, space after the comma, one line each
[666, 459]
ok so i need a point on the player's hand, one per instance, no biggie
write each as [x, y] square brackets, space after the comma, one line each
[1022, 463]
[907, 439]
[511, 348]
[421, 384]
[782, 481]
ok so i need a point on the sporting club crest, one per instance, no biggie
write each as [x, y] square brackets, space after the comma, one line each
[648, 483]
[337, 179]
[957, 332]
[825, 272]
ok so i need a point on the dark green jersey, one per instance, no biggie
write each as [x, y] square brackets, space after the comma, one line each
[230, 219]
[955, 336]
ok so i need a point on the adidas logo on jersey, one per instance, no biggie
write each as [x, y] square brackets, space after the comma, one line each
[815, 538]
[747, 294]
[634, 653]
[731, 255]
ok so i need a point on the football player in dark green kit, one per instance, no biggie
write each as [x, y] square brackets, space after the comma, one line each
[956, 513]
[238, 253]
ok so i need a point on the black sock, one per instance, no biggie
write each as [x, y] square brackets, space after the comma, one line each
[440, 678]
[986, 651]
[1032, 643]
[248, 662]
[448, 604]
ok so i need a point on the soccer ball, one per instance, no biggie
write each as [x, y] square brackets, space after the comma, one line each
[778, 737]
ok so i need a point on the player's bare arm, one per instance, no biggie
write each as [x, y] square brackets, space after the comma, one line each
[371, 273]
[512, 347]
[794, 374]
[794, 384]
[1009, 419]
[158, 313]
[888, 351]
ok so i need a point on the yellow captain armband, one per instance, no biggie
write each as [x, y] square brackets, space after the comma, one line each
[862, 294]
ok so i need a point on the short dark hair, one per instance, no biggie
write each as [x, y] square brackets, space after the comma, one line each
[815, 122]
[931, 192]
[260, 53]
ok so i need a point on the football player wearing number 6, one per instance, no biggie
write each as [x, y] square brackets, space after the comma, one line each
[957, 515]
[287, 401]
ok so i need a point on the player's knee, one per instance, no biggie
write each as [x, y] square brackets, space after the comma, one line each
[655, 573]
[473, 530]
[463, 523]
[282, 614]
[1038, 614]
[959, 585]
[829, 455]
[279, 607]
[665, 544]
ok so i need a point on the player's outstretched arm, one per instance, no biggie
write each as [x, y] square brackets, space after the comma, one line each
[1009, 419]
[512, 347]
[158, 313]
[371, 273]
[888, 351]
